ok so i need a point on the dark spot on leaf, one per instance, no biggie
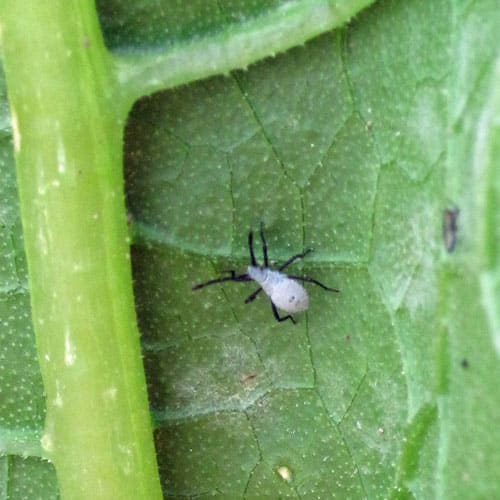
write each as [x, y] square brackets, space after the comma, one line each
[450, 228]
[248, 378]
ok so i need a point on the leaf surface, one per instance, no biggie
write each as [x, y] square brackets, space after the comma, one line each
[352, 144]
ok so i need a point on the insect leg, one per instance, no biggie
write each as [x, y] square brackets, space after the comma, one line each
[312, 280]
[264, 245]
[277, 316]
[252, 297]
[231, 272]
[294, 258]
[233, 277]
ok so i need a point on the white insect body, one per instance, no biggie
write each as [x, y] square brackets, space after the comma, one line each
[285, 293]
[283, 290]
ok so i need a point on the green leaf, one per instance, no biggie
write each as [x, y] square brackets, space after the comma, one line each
[353, 144]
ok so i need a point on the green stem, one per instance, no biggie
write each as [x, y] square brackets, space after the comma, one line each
[67, 119]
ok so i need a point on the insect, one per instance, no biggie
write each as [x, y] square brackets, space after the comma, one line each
[282, 289]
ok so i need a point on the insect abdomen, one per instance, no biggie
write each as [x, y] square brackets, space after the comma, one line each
[290, 296]
[285, 293]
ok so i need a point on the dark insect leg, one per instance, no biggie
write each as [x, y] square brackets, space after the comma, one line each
[233, 277]
[242, 277]
[230, 272]
[277, 316]
[294, 258]
[264, 245]
[312, 280]
[252, 297]
[253, 262]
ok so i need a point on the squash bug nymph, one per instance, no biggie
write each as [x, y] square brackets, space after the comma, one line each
[283, 289]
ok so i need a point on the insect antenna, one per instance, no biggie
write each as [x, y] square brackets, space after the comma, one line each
[264, 245]
[253, 262]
